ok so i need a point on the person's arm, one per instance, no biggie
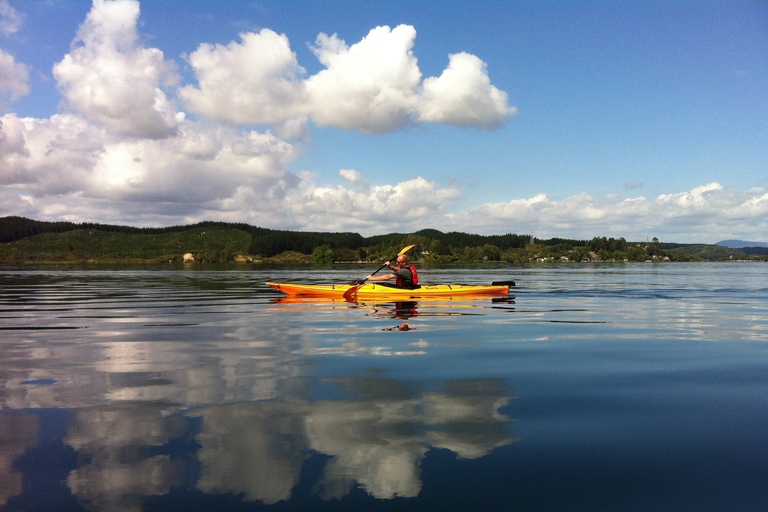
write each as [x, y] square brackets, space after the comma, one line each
[385, 277]
[382, 278]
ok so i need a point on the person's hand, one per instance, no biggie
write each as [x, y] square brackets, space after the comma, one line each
[386, 264]
[369, 277]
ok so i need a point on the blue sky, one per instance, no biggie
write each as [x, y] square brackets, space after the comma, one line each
[564, 119]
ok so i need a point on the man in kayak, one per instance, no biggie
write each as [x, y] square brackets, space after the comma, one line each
[406, 276]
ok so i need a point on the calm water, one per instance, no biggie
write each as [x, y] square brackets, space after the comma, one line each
[614, 387]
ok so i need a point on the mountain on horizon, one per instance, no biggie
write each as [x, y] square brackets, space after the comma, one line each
[738, 244]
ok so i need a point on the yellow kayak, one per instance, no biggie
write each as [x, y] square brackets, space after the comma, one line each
[374, 290]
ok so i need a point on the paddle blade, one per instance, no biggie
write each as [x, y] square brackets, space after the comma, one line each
[349, 295]
[406, 249]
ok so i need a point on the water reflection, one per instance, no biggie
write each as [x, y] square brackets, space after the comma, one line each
[132, 389]
[18, 432]
[374, 439]
[146, 389]
[117, 466]
[403, 310]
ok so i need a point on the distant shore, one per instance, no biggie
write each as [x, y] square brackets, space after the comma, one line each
[29, 241]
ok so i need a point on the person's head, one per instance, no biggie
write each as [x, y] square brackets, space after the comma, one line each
[402, 260]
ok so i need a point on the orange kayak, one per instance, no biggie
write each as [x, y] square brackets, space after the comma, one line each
[374, 290]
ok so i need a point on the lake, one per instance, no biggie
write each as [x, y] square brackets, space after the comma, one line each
[592, 387]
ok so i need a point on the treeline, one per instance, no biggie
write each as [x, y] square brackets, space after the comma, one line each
[212, 245]
[522, 249]
[224, 241]
[271, 242]
[18, 228]
[266, 242]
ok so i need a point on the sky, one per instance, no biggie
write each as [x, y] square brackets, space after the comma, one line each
[570, 119]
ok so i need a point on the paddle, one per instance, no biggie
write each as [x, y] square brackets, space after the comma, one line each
[349, 293]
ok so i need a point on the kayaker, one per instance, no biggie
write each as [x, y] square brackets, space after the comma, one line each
[405, 275]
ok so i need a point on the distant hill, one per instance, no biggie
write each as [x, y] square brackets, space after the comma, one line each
[213, 244]
[755, 251]
[265, 242]
[270, 242]
[26, 240]
[710, 252]
[738, 244]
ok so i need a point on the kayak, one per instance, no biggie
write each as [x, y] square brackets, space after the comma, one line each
[373, 290]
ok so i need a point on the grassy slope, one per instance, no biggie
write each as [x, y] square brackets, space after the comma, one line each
[85, 244]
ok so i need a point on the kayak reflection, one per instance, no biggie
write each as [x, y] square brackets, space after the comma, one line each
[403, 310]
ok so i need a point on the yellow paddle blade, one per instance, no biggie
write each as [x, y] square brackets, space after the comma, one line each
[406, 249]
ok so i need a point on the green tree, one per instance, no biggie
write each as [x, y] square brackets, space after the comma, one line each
[439, 247]
[345, 254]
[471, 254]
[323, 255]
[491, 252]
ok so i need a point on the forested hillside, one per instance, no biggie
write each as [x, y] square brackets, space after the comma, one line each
[26, 240]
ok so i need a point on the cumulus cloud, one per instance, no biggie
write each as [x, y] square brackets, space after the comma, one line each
[111, 79]
[123, 153]
[47, 156]
[369, 86]
[355, 179]
[709, 212]
[13, 77]
[194, 170]
[369, 209]
[256, 81]
[463, 96]
[10, 18]
[373, 85]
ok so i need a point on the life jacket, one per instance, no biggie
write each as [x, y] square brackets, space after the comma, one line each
[414, 278]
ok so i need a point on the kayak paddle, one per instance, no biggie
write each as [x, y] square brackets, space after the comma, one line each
[349, 293]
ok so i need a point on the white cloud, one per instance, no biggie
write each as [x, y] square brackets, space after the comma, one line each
[707, 213]
[355, 179]
[252, 82]
[463, 96]
[125, 153]
[47, 156]
[195, 170]
[691, 201]
[10, 19]
[369, 86]
[407, 205]
[372, 86]
[13, 77]
[111, 79]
